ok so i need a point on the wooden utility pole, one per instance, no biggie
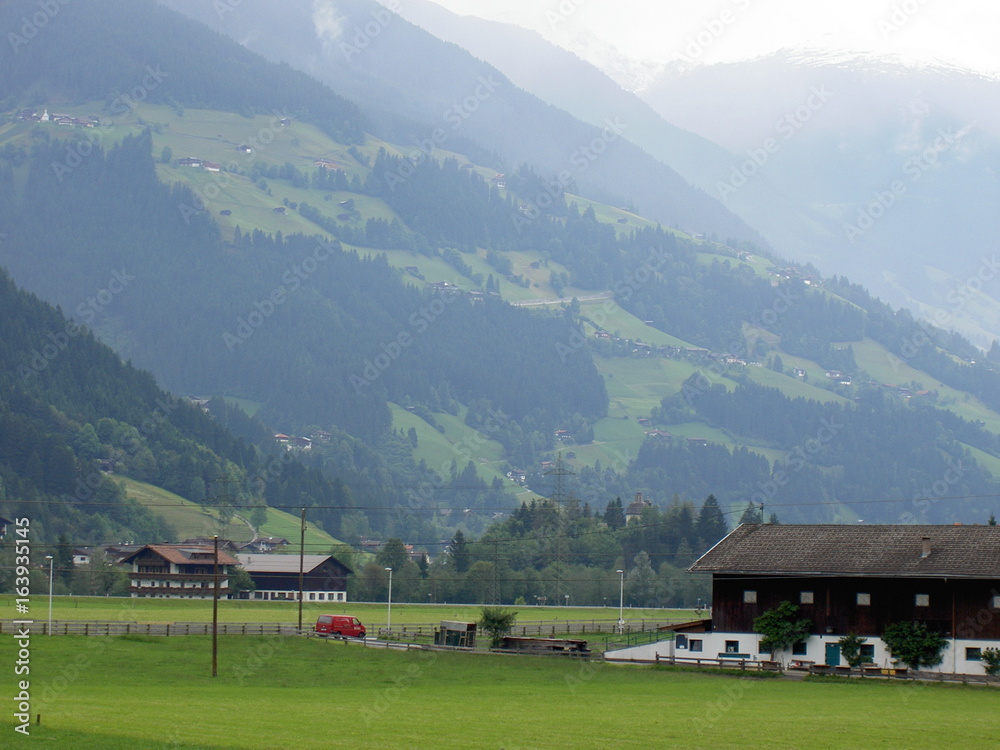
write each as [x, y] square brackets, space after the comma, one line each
[215, 610]
[302, 553]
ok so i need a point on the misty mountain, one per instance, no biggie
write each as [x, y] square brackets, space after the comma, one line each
[897, 166]
[426, 94]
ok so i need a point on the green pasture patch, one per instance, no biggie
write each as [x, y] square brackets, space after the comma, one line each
[289, 692]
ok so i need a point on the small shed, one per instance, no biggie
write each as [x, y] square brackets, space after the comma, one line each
[455, 633]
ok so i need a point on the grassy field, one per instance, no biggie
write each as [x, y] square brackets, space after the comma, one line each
[103, 609]
[111, 693]
[190, 520]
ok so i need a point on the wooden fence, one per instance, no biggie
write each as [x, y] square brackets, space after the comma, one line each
[402, 632]
[7, 627]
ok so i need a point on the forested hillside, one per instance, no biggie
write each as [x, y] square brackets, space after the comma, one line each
[73, 417]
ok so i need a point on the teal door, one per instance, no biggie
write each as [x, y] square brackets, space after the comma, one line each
[833, 654]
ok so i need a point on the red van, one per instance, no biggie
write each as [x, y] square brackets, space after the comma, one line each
[340, 626]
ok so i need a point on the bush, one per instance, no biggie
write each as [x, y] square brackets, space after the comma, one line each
[850, 649]
[914, 644]
[991, 660]
[497, 622]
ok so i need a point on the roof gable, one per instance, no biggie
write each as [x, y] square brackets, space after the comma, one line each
[804, 549]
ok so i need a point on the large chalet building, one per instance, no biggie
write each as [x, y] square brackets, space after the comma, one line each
[855, 579]
[177, 571]
[324, 578]
[846, 579]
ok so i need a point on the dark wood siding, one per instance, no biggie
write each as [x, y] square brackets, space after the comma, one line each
[330, 576]
[959, 607]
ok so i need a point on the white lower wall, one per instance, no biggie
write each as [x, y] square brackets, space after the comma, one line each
[714, 644]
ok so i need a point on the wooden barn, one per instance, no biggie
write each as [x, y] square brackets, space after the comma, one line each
[847, 579]
[277, 577]
[857, 579]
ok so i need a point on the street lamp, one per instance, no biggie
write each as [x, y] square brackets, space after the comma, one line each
[49, 558]
[621, 600]
[388, 614]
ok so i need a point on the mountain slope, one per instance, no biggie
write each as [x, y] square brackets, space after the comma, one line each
[423, 93]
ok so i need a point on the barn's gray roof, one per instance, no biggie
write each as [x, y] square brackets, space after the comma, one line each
[799, 549]
[265, 563]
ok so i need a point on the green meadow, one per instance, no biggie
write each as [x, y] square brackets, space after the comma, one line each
[137, 692]
[103, 609]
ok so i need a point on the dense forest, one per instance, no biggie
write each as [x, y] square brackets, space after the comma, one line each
[559, 553]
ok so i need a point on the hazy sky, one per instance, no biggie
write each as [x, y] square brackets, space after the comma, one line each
[957, 31]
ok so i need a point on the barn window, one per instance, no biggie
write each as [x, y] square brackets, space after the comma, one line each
[749, 597]
[922, 600]
[800, 649]
[695, 644]
[806, 597]
[732, 647]
[864, 600]
[996, 603]
[867, 652]
[973, 654]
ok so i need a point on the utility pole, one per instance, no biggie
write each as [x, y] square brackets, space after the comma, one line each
[215, 609]
[562, 540]
[302, 555]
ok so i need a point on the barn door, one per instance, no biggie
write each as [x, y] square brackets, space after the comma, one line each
[833, 654]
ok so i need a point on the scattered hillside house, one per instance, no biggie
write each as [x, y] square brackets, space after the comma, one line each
[702, 442]
[177, 571]
[299, 444]
[225, 545]
[211, 166]
[326, 164]
[857, 579]
[636, 507]
[4, 523]
[264, 545]
[189, 161]
[115, 553]
[280, 210]
[500, 180]
[82, 556]
[659, 434]
[324, 578]
[244, 149]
